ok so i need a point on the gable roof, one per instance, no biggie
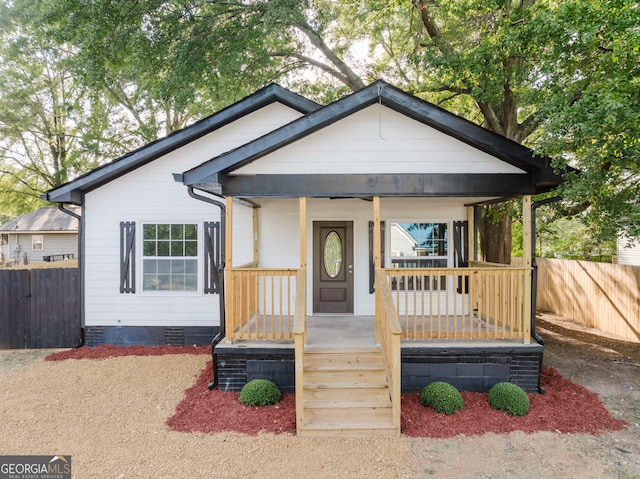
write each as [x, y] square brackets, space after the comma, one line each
[210, 174]
[42, 220]
[73, 191]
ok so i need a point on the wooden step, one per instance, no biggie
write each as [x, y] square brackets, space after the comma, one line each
[346, 393]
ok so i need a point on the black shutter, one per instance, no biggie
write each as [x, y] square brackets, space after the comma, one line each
[372, 271]
[212, 257]
[127, 257]
[461, 252]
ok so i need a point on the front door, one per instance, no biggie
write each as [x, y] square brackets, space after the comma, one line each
[333, 267]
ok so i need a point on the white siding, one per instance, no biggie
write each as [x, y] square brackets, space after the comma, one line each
[377, 140]
[149, 194]
[628, 255]
[279, 232]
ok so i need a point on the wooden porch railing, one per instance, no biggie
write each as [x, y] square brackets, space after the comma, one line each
[388, 333]
[480, 302]
[260, 303]
[300, 339]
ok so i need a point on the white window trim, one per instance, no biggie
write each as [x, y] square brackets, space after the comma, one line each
[33, 243]
[140, 258]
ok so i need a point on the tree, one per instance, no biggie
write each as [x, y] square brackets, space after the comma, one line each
[52, 127]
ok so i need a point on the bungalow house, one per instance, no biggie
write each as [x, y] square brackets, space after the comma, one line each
[330, 249]
[46, 234]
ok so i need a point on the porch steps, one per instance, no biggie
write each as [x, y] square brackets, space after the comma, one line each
[346, 393]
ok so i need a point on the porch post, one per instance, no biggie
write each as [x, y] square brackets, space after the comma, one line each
[227, 233]
[303, 232]
[471, 233]
[377, 262]
[377, 251]
[527, 263]
[256, 252]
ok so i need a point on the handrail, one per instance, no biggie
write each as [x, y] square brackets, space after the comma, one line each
[300, 339]
[388, 332]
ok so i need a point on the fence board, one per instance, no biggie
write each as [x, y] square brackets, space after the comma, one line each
[596, 295]
[39, 308]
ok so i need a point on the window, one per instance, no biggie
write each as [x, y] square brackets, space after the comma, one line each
[37, 242]
[170, 257]
[419, 245]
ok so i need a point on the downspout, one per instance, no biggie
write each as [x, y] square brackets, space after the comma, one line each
[221, 296]
[534, 276]
[80, 266]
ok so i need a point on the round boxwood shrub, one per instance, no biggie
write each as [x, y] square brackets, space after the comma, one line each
[509, 397]
[442, 397]
[259, 392]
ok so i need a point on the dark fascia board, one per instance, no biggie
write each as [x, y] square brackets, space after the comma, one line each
[367, 185]
[73, 192]
[378, 92]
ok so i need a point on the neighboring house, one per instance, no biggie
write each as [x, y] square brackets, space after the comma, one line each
[628, 253]
[268, 222]
[46, 234]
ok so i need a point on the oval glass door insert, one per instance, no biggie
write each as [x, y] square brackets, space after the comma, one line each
[333, 254]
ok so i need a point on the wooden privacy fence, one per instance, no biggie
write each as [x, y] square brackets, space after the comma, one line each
[596, 295]
[39, 308]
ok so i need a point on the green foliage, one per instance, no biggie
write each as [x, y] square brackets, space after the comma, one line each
[509, 397]
[442, 397]
[259, 392]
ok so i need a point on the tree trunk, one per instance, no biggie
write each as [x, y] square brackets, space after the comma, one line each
[494, 226]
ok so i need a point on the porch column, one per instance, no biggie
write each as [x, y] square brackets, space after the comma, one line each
[227, 233]
[527, 258]
[377, 250]
[303, 232]
[256, 252]
[471, 233]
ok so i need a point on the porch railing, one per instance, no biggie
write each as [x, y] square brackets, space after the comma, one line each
[260, 303]
[388, 333]
[480, 302]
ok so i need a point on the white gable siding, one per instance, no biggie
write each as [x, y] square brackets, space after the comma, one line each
[149, 194]
[279, 232]
[628, 255]
[377, 140]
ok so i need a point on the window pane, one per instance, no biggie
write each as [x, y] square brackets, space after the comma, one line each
[177, 248]
[149, 232]
[333, 254]
[191, 232]
[150, 266]
[191, 267]
[149, 248]
[164, 266]
[163, 248]
[164, 232]
[177, 232]
[191, 248]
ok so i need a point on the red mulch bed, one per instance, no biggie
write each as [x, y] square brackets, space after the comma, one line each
[566, 407]
[108, 351]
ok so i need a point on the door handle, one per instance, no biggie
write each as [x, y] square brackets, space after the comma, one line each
[350, 268]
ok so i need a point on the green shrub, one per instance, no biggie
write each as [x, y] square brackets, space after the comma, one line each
[442, 397]
[510, 398]
[259, 392]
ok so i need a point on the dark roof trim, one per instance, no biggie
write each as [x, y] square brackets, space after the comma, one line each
[366, 185]
[378, 92]
[73, 191]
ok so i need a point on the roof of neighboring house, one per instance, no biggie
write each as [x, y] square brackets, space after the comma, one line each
[43, 220]
[210, 172]
[72, 191]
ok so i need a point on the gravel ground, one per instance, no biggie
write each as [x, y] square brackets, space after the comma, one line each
[110, 416]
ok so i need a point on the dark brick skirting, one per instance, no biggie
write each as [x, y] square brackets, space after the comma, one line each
[149, 335]
[467, 368]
